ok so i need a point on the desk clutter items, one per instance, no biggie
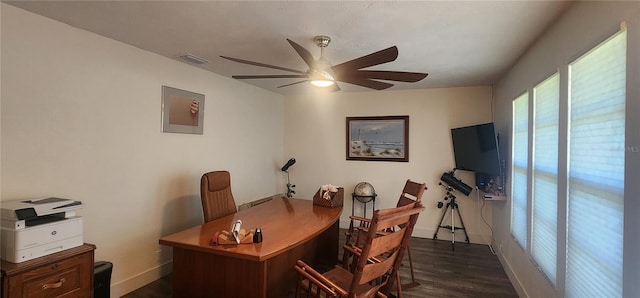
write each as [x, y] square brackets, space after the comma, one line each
[238, 235]
[224, 237]
[329, 196]
[38, 227]
[257, 236]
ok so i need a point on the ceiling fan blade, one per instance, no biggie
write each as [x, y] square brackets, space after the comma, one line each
[364, 82]
[245, 77]
[262, 64]
[306, 56]
[334, 87]
[379, 57]
[294, 83]
[398, 76]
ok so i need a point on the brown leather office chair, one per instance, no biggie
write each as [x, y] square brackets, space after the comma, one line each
[411, 193]
[215, 193]
[379, 257]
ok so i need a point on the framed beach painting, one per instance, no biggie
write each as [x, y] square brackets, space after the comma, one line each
[383, 138]
[182, 111]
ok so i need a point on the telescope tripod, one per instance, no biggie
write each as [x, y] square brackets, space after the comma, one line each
[290, 187]
[454, 206]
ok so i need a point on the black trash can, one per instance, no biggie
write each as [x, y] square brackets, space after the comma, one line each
[102, 279]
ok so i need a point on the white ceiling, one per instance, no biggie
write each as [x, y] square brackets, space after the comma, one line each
[459, 43]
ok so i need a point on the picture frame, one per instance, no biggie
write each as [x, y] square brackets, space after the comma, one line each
[182, 111]
[379, 138]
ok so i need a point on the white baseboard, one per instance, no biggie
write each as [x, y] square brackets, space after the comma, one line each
[445, 235]
[517, 285]
[137, 281]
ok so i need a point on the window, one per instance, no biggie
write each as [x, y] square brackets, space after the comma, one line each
[567, 172]
[519, 169]
[596, 171]
[544, 226]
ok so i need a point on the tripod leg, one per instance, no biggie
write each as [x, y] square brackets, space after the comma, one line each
[453, 226]
[444, 212]
[462, 224]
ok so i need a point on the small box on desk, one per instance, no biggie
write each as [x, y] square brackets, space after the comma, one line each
[336, 198]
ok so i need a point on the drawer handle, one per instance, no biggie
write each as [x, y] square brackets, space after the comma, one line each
[53, 285]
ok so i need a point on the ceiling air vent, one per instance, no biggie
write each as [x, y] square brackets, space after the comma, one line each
[194, 59]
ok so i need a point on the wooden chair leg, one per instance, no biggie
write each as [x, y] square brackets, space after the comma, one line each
[398, 284]
[413, 282]
[345, 258]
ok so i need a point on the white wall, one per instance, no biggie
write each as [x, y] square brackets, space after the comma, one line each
[81, 119]
[585, 24]
[315, 134]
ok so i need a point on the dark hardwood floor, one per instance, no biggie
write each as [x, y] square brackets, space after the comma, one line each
[469, 271]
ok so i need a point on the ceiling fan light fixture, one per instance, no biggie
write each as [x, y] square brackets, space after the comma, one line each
[322, 83]
[322, 78]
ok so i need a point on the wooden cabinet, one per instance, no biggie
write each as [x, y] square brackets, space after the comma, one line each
[68, 273]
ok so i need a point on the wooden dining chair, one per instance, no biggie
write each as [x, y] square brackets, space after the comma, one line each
[379, 255]
[411, 193]
[215, 194]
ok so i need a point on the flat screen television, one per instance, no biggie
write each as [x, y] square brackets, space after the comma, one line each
[475, 148]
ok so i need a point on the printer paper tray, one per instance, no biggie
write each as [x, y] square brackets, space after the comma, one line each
[32, 242]
[43, 250]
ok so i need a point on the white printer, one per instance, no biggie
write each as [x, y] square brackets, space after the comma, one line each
[38, 227]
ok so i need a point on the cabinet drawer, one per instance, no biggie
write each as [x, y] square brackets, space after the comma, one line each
[55, 267]
[65, 274]
[63, 283]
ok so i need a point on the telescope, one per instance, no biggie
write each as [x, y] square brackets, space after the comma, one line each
[285, 169]
[289, 163]
[456, 183]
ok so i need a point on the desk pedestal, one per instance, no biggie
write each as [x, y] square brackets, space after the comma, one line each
[202, 274]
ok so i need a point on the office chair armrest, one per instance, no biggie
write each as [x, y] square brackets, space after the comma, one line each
[319, 280]
[360, 218]
[353, 249]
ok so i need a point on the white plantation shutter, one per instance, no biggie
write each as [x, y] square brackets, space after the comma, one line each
[596, 171]
[544, 216]
[520, 139]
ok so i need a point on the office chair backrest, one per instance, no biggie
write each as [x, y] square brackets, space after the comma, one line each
[411, 193]
[377, 259]
[216, 196]
[384, 245]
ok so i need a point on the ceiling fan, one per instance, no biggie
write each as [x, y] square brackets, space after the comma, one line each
[322, 74]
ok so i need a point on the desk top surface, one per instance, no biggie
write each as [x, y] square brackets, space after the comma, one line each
[285, 223]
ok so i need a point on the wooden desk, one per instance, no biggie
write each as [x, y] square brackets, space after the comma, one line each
[292, 229]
